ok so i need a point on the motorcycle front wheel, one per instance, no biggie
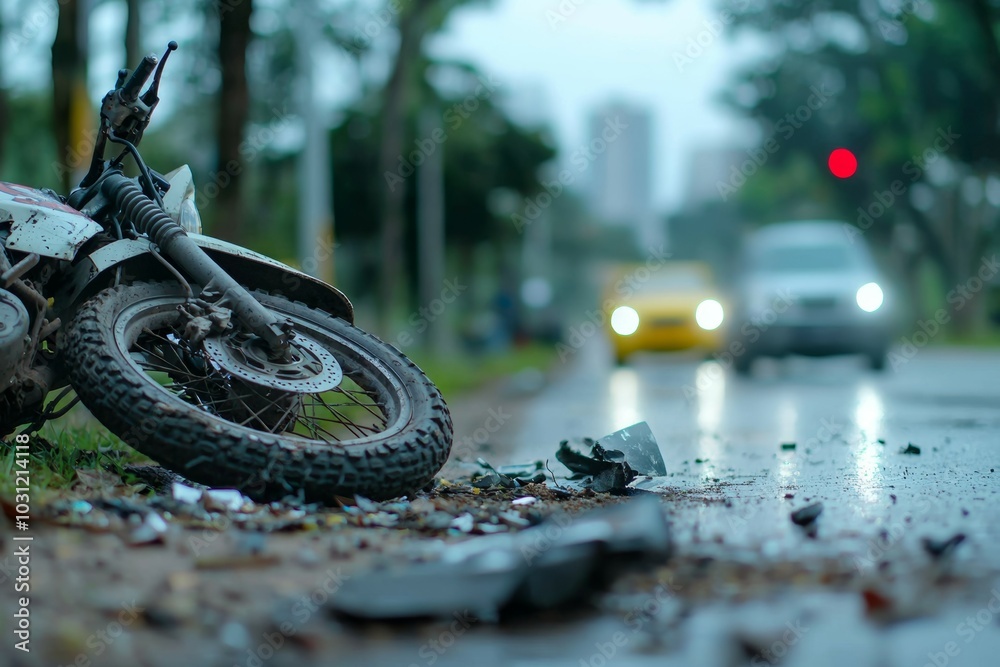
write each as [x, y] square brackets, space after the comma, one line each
[382, 431]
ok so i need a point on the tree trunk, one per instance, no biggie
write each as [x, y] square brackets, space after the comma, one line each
[392, 147]
[68, 71]
[4, 118]
[133, 33]
[3, 100]
[233, 112]
[984, 15]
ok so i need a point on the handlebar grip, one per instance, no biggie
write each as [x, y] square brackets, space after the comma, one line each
[130, 91]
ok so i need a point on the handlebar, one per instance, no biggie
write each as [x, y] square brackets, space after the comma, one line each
[124, 117]
[130, 91]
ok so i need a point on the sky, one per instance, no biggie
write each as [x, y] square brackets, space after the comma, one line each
[562, 59]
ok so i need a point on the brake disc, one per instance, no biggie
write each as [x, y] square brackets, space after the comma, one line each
[310, 368]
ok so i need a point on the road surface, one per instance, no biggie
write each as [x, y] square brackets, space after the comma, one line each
[746, 586]
[723, 434]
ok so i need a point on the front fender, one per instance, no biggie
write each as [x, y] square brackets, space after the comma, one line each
[247, 267]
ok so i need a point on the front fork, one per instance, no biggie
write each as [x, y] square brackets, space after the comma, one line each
[127, 197]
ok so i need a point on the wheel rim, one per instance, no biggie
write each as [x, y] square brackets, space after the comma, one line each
[370, 402]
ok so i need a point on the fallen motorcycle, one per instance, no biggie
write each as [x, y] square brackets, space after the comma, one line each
[221, 364]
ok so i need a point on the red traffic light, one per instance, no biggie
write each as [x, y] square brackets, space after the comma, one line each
[842, 163]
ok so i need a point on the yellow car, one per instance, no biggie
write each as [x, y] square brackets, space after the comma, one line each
[673, 307]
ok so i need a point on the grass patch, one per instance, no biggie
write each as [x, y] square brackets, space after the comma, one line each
[57, 453]
[457, 374]
[985, 338]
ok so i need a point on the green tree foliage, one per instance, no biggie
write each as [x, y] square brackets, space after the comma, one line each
[898, 78]
[483, 151]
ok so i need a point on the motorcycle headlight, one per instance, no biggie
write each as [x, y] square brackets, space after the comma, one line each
[625, 321]
[870, 297]
[189, 217]
[709, 315]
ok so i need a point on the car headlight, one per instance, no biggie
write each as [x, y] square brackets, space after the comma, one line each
[625, 321]
[870, 297]
[709, 315]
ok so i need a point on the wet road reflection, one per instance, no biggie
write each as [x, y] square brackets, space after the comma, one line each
[747, 587]
[722, 435]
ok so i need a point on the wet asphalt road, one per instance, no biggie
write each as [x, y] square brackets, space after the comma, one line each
[721, 435]
[848, 425]
[775, 596]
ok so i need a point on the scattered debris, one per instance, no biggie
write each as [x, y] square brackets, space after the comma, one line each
[220, 500]
[604, 471]
[464, 523]
[807, 515]
[901, 604]
[508, 477]
[875, 602]
[527, 473]
[639, 447]
[538, 568]
[939, 549]
[185, 494]
[147, 530]
[910, 449]
[157, 478]
[615, 460]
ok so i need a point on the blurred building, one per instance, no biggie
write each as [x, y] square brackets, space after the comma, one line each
[707, 228]
[620, 143]
[708, 168]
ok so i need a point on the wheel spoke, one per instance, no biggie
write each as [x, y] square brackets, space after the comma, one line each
[353, 410]
[254, 415]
